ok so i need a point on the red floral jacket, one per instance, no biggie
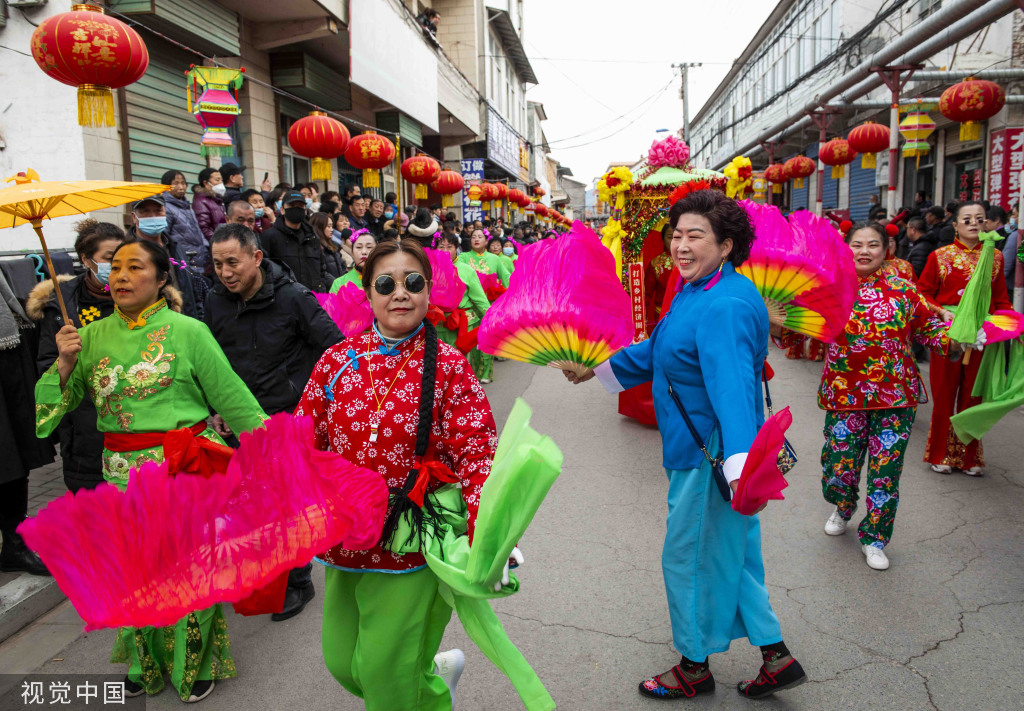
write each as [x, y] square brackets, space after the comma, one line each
[463, 435]
[947, 271]
[871, 365]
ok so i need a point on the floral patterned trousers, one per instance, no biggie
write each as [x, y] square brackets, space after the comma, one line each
[882, 436]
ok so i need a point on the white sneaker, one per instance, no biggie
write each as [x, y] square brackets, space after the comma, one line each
[486, 381]
[975, 471]
[449, 665]
[942, 469]
[876, 557]
[836, 525]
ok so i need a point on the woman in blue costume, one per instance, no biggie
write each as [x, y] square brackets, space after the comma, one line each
[710, 348]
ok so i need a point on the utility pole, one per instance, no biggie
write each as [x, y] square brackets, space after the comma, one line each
[684, 94]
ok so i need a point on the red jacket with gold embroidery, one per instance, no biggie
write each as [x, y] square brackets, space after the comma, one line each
[948, 270]
[463, 435]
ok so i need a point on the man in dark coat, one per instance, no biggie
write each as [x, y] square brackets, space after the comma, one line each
[292, 242]
[273, 332]
[922, 243]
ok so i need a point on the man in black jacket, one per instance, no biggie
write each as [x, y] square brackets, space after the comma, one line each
[273, 332]
[922, 243]
[292, 242]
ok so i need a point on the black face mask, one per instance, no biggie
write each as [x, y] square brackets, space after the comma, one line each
[294, 214]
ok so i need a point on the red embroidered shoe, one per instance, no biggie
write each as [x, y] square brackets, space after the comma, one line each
[654, 688]
[768, 683]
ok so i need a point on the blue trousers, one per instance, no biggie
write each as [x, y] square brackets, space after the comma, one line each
[714, 575]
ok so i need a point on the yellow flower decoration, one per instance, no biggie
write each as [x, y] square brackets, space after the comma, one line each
[738, 173]
[614, 183]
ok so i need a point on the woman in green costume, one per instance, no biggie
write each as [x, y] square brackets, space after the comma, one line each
[474, 301]
[484, 262]
[363, 242]
[151, 372]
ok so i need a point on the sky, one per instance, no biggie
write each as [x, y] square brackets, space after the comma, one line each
[605, 69]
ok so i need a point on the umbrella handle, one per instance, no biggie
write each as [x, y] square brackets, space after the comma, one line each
[967, 355]
[38, 227]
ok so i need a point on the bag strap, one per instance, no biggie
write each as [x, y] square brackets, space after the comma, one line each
[689, 424]
[767, 392]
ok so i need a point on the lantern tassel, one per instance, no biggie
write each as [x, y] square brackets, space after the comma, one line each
[867, 160]
[321, 169]
[776, 189]
[447, 201]
[95, 105]
[838, 171]
[970, 131]
[798, 183]
[370, 178]
[422, 191]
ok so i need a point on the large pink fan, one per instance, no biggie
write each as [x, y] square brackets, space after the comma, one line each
[172, 544]
[565, 307]
[1003, 326]
[761, 479]
[349, 308]
[448, 289]
[803, 271]
[492, 286]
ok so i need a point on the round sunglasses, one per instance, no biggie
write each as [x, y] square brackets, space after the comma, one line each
[385, 284]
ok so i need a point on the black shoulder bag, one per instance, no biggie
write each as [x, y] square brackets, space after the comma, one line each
[716, 463]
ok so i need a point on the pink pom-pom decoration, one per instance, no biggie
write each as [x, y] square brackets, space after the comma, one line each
[447, 289]
[668, 153]
[803, 270]
[564, 308]
[171, 544]
[349, 308]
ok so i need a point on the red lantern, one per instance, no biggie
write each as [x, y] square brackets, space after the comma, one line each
[96, 53]
[446, 185]
[970, 102]
[837, 153]
[868, 139]
[516, 197]
[800, 167]
[776, 175]
[502, 190]
[524, 201]
[488, 192]
[321, 138]
[540, 210]
[370, 152]
[421, 170]
[539, 191]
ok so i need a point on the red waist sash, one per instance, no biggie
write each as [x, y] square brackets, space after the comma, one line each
[184, 449]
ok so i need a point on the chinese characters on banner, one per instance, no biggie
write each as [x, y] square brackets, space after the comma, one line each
[636, 296]
[969, 184]
[472, 172]
[1006, 147]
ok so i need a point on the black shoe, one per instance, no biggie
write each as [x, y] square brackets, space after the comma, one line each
[15, 557]
[200, 690]
[654, 689]
[294, 600]
[767, 683]
[131, 689]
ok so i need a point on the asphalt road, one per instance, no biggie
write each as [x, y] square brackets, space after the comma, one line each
[943, 628]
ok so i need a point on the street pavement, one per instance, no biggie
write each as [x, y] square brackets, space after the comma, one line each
[943, 628]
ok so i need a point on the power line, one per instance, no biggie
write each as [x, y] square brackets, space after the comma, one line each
[641, 105]
[610, 135]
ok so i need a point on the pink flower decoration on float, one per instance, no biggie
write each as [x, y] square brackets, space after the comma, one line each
[668, 153]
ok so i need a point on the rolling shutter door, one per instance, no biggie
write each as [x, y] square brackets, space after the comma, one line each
[862, 187]
[162, 134]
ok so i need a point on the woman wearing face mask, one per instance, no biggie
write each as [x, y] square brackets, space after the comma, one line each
[150, 371]
[312, 194]
[390, 206]
[207, 204]
[264, 217]
[869, 391]
[87, 297]
[182, 225]
[363, 243]
[323, 228]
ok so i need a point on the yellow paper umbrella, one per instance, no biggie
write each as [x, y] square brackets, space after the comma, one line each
[30, 201]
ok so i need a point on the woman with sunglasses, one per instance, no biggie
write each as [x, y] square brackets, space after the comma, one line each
[942, 284]
[363, 242]
[383, 614]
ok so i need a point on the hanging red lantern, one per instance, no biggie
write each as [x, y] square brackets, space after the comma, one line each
[488, 192]
[502, 190]
[524, 200]
[447, 184]
[800, 167]
[515, 197]
[837, 153]
[96, 53]
[420, 170]
[776, 175]
[320, 137]
[539, 191]
[370, 152]
[970, 102]
[868, 139]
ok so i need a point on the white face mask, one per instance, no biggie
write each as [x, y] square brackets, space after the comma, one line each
[219, 189]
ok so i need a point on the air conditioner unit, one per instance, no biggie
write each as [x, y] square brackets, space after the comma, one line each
[26, 3]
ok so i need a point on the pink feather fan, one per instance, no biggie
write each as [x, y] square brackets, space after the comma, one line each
[803, 270]
[447, 289]
[349, 308]
[170, 544]
[565, 306]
